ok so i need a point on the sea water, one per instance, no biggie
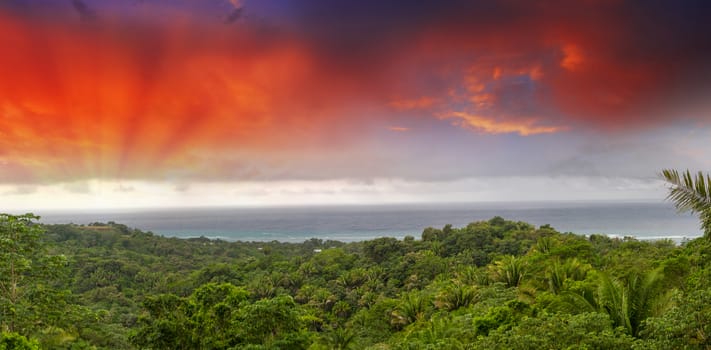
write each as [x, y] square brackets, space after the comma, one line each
[643, 220]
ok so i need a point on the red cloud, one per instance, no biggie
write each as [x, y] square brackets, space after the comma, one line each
[138, 97]
[589, 71]
[150, 101]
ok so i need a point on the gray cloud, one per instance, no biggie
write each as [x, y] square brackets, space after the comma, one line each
[85, 12]
[182, 187]
[21, 190]
[78, 187]
[234, 15]
[124, 189]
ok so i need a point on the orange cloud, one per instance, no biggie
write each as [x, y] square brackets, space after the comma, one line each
[572, 57]
[115, 102]
[525, 127]
[160, 89]
[398, 128]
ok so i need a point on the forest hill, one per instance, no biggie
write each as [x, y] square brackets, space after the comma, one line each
[492, 284]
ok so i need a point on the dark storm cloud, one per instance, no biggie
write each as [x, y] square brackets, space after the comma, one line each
[622, 63]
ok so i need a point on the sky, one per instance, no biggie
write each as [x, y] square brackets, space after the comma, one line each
[158, 103]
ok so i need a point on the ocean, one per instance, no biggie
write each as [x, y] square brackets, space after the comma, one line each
[648, 220]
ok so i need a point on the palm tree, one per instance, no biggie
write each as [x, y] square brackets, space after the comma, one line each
[627, 301]
[556, 276]
[510, 270]
[438, 333]
[339, 339]
[412, 308]
[557, 273]
[456, 295]
[691, 193]
[631, 302]
[545, 244]
[613, 298]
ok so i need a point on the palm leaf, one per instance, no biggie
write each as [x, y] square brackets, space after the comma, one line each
[691, 194]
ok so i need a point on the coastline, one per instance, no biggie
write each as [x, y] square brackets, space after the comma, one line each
[642, 220]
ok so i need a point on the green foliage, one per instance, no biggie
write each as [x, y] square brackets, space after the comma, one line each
[30, 301]
[218, 316]
[686, 325]
[510, 270]
[558, 275]
[14, 341]
[456, 295]
[413, 307]
[501, 317]
[382, 249]
[545, 244]
[214, 309]
[268, 319]
[165, 326]
[449, 333]
[558, 331]
[491, 284]
[630, 303]
[339, 339]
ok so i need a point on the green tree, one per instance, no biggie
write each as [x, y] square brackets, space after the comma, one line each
[691, 194]
[501, 317]
[213, 310]
[559, 331]
[27, 298]
[165, 325]
[14, 341]
[381, 249]
[271, 321]
[687, 325]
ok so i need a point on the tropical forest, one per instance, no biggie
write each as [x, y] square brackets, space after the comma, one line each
[495, 284]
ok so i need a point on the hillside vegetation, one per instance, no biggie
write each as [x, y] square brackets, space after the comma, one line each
[494, 284]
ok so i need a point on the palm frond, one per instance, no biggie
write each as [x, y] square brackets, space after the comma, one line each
[691, 193]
